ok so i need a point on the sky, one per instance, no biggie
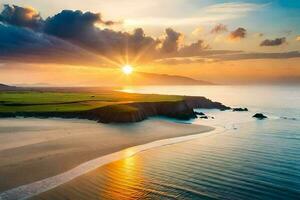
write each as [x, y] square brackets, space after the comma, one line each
[75, 42]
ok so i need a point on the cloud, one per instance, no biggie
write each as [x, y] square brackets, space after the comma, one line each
[207, 15]
[68, 23]
[220, 28]
[181, 60]
[234, 7]
[79, 28]
[193, 49]
[275, 42]
[18, 44]
[219, 56]
[171, 41]
[74, 25]
[171, 22]
[247, 56]
[197, 31]
[139, 42]
[237, 34]
[171, 45]
[19, 16]
[73, 37]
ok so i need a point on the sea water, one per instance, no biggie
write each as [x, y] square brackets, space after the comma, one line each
[250, 159]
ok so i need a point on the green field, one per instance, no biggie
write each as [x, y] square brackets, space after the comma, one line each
[34, 101]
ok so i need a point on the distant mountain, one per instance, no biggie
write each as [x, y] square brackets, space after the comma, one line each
[4, 87]
[139, 78]
[41, 84]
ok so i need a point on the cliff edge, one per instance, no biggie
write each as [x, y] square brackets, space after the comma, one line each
[132, 112]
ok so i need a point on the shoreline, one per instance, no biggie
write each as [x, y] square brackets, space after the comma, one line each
[180, 134]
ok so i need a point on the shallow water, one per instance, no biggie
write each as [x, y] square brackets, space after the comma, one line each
[250, 160]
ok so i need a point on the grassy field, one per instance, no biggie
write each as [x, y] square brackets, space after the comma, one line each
[34, 101]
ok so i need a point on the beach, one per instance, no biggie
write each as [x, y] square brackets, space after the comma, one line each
[34, 149]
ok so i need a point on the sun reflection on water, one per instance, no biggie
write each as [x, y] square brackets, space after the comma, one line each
[126, 179]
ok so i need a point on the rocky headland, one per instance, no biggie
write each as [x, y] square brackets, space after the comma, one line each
[132, 112]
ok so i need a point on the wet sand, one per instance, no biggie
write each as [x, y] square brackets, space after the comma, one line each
[34, 149]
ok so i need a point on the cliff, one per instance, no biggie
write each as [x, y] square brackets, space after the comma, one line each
[133, 112]
[202, 102]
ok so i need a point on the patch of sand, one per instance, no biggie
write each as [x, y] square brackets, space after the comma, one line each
[34, 149]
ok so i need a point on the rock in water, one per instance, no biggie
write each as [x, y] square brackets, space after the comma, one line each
[199, 113]
[240, 109]
[203, 117]
[259, 116]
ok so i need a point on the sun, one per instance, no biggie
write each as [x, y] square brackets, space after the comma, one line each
[127, 69]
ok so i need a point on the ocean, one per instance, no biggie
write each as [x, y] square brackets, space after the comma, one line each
[248, 159]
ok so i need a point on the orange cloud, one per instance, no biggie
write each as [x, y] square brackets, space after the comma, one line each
[197, 31]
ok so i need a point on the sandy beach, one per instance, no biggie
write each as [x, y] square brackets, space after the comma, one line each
[34, 149]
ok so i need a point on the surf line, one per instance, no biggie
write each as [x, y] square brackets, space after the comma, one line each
[35, 188]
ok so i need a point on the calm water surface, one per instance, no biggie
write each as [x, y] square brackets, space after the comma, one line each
[250, 160]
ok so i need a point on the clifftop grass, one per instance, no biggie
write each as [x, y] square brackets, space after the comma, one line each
[35, 101]
[102, 106]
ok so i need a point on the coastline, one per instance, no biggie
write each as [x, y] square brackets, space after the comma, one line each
[76, 153]
[117, 112]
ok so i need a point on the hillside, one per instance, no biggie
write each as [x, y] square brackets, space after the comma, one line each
[4, 87]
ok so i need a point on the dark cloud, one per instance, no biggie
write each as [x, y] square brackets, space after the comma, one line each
[239, 33]
[220, 28]
[171, 42]
[72, 37]
[79, 28]
[275, 42]
[171, 46]
[19, 16]
[24, 45]
[73, 24]
[139, 42]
